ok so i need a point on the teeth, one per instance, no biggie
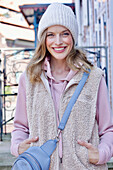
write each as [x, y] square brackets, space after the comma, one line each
[58, 49]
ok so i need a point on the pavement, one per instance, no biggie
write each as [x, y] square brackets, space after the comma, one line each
[6, 159]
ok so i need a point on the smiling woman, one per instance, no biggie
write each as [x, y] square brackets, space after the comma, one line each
[45, 90]
[59, 43]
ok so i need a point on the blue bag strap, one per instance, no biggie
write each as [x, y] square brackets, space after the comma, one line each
[73, 100]
[49, 146]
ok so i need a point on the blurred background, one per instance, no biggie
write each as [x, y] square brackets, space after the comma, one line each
[18, 39]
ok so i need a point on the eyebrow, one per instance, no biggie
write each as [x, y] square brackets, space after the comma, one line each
[61, 31]
[65, 30]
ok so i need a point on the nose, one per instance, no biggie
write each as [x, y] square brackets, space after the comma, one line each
[58, 40]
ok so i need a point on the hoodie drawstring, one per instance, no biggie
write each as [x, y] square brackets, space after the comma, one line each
[57, 116]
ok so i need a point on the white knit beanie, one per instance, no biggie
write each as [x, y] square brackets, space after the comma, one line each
[59, 14]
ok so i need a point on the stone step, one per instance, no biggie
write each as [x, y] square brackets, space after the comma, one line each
[5, 167]
[110, 164]
[6, 159]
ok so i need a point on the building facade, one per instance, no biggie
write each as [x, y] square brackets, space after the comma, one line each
[96, 29]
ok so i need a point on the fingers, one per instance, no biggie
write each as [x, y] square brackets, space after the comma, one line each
[93, 153]
[29, 141]
[86, 144]
[23, 146]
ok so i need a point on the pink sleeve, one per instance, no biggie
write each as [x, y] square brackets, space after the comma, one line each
[105, 122]
[21, 130]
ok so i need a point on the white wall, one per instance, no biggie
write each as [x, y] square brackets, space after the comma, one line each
[78, 15]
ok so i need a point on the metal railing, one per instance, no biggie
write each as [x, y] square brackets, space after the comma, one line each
[13, 63]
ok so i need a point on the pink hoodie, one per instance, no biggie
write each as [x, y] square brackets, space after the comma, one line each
[103, 115]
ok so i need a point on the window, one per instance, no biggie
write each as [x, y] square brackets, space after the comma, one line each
[99, 21]
[96, 16]
[104, 21]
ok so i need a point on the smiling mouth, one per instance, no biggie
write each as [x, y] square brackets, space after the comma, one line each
[60, 49]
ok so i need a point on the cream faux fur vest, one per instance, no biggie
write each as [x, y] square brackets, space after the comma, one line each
[81, 123]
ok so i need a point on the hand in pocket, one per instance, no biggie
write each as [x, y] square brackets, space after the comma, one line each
[93, 153]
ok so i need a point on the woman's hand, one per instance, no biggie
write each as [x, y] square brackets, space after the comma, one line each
[93, 152]
[23, 146]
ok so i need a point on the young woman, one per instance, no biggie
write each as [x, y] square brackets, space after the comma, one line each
[45, 89]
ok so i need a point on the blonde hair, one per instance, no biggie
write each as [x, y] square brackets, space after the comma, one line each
[76, 60]
[34, 68]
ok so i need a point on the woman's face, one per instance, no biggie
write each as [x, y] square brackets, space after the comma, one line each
[59, 42]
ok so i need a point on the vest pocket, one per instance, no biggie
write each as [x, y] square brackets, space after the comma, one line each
[82, 154]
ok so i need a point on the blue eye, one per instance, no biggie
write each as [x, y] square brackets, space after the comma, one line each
[50, 35]
[66, 33]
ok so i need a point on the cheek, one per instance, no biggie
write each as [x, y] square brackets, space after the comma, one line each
[69, 41]
[49, 42]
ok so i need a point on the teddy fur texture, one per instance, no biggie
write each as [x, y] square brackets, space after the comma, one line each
[59, 14]
[81, 123]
